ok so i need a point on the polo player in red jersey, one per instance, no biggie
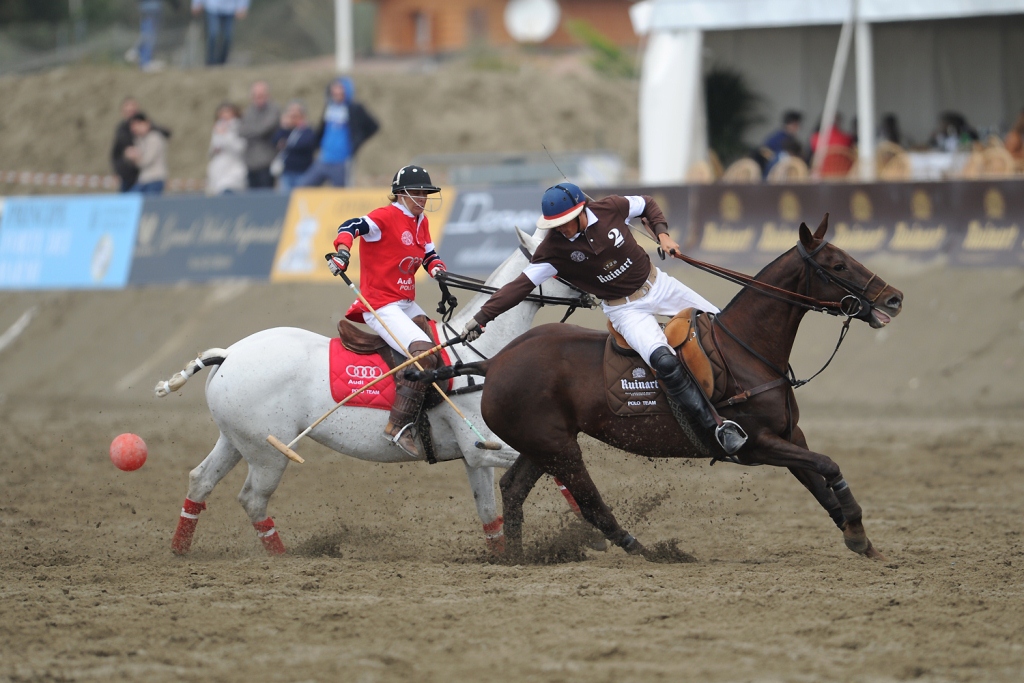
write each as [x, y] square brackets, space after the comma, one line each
[590, 246]
[396, 242]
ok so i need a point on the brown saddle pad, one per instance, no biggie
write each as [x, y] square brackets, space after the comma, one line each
[368, 343]
[631, 388]
[689, 333]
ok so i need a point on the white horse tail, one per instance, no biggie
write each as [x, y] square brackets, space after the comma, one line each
[207, 358]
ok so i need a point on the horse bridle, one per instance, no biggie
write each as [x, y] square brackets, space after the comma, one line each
[855, 304]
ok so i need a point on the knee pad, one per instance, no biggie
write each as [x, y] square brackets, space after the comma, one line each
[665, 362]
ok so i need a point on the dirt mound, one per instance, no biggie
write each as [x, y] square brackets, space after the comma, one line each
[63, 121]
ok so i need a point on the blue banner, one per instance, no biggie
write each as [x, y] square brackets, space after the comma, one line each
[198, 239]
[67, 242]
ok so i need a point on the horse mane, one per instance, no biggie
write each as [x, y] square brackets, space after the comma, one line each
[758, 277]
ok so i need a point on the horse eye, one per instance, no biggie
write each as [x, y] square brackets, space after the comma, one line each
[839, 267]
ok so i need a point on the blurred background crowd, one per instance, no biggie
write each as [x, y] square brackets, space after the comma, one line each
[968, 121]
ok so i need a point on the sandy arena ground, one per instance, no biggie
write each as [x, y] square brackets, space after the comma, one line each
[388, 580]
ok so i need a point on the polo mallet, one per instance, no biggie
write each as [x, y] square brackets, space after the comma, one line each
[287, 448]
[482, 443]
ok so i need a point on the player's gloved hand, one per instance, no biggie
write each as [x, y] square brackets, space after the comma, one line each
[472, 330]
[439, 272]
[338, 263]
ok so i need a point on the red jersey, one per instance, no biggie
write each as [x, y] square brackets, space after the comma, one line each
[394, 245]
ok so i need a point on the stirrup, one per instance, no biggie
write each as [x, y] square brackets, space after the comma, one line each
[396, 440]
[730, 437]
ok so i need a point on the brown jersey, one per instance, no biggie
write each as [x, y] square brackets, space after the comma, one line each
[603, 260]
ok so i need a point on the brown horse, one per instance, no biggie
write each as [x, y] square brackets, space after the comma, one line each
[546, 387]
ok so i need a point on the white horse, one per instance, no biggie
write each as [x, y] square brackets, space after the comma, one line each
[277, 382]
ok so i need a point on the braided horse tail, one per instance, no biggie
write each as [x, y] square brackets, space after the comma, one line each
[207, 358]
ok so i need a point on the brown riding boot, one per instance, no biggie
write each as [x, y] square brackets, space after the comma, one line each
[400, 429]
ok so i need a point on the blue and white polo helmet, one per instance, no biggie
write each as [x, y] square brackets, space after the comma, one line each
[560, 204]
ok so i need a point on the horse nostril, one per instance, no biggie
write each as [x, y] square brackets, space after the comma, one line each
[894, 302]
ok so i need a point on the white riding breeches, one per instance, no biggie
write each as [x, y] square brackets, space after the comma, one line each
[398, 317]
[635, 320]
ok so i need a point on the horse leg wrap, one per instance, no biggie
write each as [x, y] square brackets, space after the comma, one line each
[182, 541]
[836, 514]
[268, 534]
[573, 505]
[626, 541]
[494, 535]
[847, 503]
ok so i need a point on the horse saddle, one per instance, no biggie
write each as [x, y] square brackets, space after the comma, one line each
[368, 343]
[689, 333]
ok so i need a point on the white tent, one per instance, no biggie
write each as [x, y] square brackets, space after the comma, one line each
[791, 43]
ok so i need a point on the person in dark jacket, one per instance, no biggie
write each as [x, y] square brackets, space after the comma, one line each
[125, 168]
[345, 126]
[296, 145]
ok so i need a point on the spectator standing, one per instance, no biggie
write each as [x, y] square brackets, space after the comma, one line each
[296, 144]
[124, 167]
[149, 152]
[220, 26]
[259, 123]
[149, 28]
[226, 171]
[345, 126]
[783, 140]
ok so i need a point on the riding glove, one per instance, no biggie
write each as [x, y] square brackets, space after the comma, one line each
[439, 271]
[472, 330]
[338, 263]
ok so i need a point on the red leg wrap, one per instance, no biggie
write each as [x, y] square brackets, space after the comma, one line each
[573, 505]
[494, 535]
[182, 541]
[272, 542]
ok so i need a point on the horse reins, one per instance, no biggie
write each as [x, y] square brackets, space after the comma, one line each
[854, 305]
[448, 302]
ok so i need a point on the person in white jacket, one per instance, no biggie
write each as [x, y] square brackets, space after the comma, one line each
[226, 170]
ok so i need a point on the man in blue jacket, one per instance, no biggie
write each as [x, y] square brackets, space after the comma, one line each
[346, 125]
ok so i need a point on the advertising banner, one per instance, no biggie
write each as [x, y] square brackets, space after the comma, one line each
[198, 239]
[67, 242]
[990, 217]
[311, 224]
[481, 230]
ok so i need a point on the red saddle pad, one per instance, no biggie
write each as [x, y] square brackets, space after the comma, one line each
[351, 371]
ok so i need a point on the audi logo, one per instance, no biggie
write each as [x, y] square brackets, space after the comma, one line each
[409, 264]
[363, 371]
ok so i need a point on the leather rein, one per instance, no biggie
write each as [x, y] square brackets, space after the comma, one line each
[854, 305]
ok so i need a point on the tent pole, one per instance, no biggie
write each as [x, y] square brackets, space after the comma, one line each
[866, 136]
[835, 87]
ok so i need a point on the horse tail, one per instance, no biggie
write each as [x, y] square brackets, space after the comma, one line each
[206, 359]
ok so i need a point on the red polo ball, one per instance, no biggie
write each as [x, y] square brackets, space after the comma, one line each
[128, 452]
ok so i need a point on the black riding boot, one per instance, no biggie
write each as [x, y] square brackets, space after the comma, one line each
[400, 429]
[683, 390]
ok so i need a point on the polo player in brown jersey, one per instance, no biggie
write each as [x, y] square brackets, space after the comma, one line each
[590, 246]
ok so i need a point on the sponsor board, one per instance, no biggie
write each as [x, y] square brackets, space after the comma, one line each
[971, 222]
[991, 220]
[311, 224]
[200, 239]
[67, 242]
[481, 228]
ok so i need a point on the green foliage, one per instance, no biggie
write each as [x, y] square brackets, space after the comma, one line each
[732, 108]
[608, 58]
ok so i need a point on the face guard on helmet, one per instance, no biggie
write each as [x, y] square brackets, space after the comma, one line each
[560, 204]
[414, 182]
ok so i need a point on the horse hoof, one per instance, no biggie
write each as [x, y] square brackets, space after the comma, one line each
[496, 546]
[598, 544]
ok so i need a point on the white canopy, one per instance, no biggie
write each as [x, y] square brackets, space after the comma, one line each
[672, 129]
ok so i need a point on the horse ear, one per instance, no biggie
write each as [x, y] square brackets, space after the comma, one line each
[805, 235]
[820, 232]
[529, 242]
